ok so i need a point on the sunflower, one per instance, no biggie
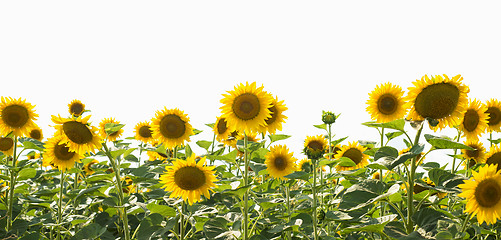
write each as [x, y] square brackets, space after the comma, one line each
[189, 179]
[143, 132]
[128, 185]
[314, 146]
[87, 168]
[77, 134]
[233, 138]
[474, 120]
[16, 116]
[494, 156]
[483, 194]
[246, 108]
[494, 112]
[280, 162]
[36, 133]
[58, 153]
[172, 127]
[274, 122]
[386, 103]
[305, 165]
[440, 98]
[112, 136]
[7, 145]
[475, 156]
[76, 108]
[221, 129]
[355, 152]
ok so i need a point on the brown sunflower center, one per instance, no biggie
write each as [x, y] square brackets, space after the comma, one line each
[472, 153]
[77, 132]
[76, 108]
[172, 126]
[246, 106]
[488, 193]
[62, 152]
[145, 131]
[387, 104]
[35, 134]
[494, 115]
[273, 118]
[189, 178]
[316, 146]
[354, 154]
[6, 143]
[280, 163]
[437, 100]
[495, 159]
[15, 116]
[471, 120]
[221, 126]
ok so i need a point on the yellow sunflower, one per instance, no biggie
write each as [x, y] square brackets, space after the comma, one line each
[474, 120]
[494, 156]
[36, 133]
[494, 112]
[274, 122]
[232, 139]
[87, 168]
[483, 194]
[171, 127]
[246, 108]
[314, 146]
[16, 116]
[77, 134]
[386, 103]
[473, 157]
[112, 136]
[441, 98]
[76, 108]
[143, 132]
[280, 162]
[58, 153]
[189, 179]
[305, 165]
[7, 145]
[355, 152]
[221, 129]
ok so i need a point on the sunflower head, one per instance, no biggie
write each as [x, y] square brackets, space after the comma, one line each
[7, 145]
[36, 133]
[111, 136]
[171, 127]
[386, 104]
[59, 154]
[280, 162]
[494, 156]
[305, 165]
[440, 98]
[189, 179]
[77, 134]
[76, 108]
[221, 129]
[475, 156]
[328, 117]
[494, 112]
[474, 120]
[355, 152]
[314, 146]
[87, 168]
[274, 122]
[143, 133]
[16, 116]
[483, 194]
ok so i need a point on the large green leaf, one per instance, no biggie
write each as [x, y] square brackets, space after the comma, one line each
[215, 227]
[277, 137]
[373, 225]
[443, 143]
[164, 210]
[91, 231]
[427, 218]
[396, 124]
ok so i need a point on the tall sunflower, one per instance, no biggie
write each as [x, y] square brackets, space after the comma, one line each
[280, 162]
[189, 179]
[274, 122]
[314, 146]
[386, 103]
[440, 98]
[355, 152]
[494, 112]
[483, 194]
[7, 145]
[76, 108]
[58, 153]
[112, 136]
[494, 156]
[171, 127]
[143, 132]
[221, 129]
[36, 133]
[475, 156]
[77, 134]
[16, 116]
[474, 120]
[246, 108]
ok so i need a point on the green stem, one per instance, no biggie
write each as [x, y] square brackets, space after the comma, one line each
[410, 180]
[12, 186]
[181, 222]
[246, 194]
[60, 206]
[314, 192]
[455, 152]
[287, 199]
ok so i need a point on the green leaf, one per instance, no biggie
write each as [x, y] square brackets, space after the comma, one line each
[215, 227]
[427, 218]
[373, 225]
[149, 225]
[346, 162]
[321, 126]
[163, 210]
[26, 173]
[443, 143]
[386, 152]
[204, 144]
[413, 152]
[111, 128]
[277, 137]
[33, 144]
[91, 231]
[445, 181]
[229, 157]
[396, 124]
[337, 216]
[392, 135]
[299, 175]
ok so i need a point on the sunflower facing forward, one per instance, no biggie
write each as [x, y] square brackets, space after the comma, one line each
[441, 98]
[355, 152]
[494, 156]
[171, 127]
[112, 136]
[58, 153]
[7, 145]
[475, 156]
[76, 108]
[386, 103]
[280, 162]
[494, 112]
[483, 194]
[221, 129]
[314, 146]
[246, 108]
[143, 132]
[36, 133]
[474, 120]
[77, 134]
[188, 179]
[16, 116]
[274, 122]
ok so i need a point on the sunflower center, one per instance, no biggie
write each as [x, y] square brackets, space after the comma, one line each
[280, 163]
[471, 120]
[495, 159]
[246, 106]
[316, 146]
[189, 178]
[273, 118]
[387, 104]
[35, 134]
[145, 131]
[437, 101]
[171, 126]
[221, 126]
[6, 143]
[494, 115]
[62, 152]
[76, 108]
[472, 153]
[15, 116]
[354, 154]
[488, 193]
[77, 132]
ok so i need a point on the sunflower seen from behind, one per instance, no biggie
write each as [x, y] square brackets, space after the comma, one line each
[474, 120]
[58, 153]
[113, 136]
[188, 179]
[355, 152]
[386, 104]
[171, 127]
[483, 194]
[77, 133]
[280, 162]
[494, 112]
[143, 133]
[472, 157]
[16, 116]
[76, 108]
[274, 123]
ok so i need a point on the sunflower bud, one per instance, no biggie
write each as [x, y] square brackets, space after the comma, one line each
[328, 117]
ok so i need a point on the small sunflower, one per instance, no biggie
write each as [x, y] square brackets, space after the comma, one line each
[232, 139]
[386, 103]
[494, 156]
[440, 98]
[274, 122]
[112, 136]
[171, 127]
[87, 168]
[76, 108]
[355, 152]
[314, 146]
[143, 132]
[58, 153]
[36, 133]
[473, 157]
[280, 162]
[189, 179]
[128, 185]
[246, 108]
[305, 165]
[7, 145]
[483, 194]
[78, 134]
[221, 129]
[494, 112]
[16, 116]
[474, 120]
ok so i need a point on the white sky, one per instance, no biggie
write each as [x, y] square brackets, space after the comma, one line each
[128, 59]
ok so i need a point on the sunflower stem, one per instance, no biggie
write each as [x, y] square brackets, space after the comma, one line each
[60, 205]
[314, 192]
[246, 194]
[455, 152]
[12, 185]
[410, 180]
[181, 222]
[287, 200]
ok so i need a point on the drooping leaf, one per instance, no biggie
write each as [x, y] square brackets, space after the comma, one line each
[443, 143]
[277, 137]
[204, 144]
